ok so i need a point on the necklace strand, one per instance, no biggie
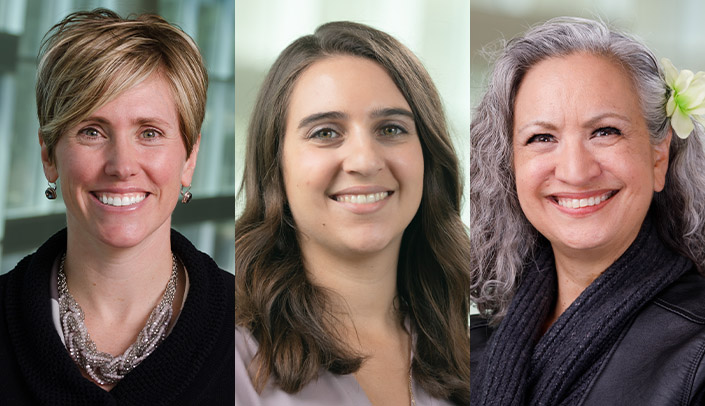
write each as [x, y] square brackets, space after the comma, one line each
[102, 367]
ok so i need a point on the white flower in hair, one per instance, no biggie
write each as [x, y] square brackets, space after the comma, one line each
[687, 101]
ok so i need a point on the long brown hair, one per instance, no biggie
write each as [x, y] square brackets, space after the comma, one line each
[288, 316]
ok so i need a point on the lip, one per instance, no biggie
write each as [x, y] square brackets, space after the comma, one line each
[95, 195]
[120, 189]
[582, 211]
[362, 208]
[362, 190]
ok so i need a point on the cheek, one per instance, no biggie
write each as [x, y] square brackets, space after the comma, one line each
[528, 175]
[75, 165]
[527, 195]
[634, 167]
[288, 174]
[308, 169]
[163, 169]
[640, 178]
[408, 164]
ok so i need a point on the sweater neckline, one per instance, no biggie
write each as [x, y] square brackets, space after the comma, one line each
[54, 300]
[52, 374]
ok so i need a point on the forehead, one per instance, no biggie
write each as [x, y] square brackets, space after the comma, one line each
[151, 96]
[343, 83]
[577, 84]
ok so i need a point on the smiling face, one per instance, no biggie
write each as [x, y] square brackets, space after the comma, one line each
[122, 167]
[585, 168]
[352, 161]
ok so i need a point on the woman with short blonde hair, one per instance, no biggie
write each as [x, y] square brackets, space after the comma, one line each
[118, 307]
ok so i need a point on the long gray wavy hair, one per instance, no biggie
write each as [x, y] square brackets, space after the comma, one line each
[502, 239]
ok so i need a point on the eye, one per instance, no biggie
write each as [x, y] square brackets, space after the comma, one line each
[150, 133]
[392, 130]
[90, 132]
[325, 134]
[540, 138]
[606, 131]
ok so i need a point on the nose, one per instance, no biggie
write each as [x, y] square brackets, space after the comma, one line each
[363, 154]
[121, 158]
[576, 163]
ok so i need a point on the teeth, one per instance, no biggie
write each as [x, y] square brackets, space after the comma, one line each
[121, 200]
[362, 199]
[578, 203]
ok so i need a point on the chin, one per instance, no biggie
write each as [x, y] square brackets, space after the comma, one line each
[124, 236]
[368, 246]
[121, 240]
[582, 241]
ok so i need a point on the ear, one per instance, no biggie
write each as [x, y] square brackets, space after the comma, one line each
[50, 171]
[190, 165]
[660, 155]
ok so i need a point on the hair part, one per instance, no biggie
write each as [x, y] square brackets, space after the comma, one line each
[90, 57]
[288, 315]
[502, 238]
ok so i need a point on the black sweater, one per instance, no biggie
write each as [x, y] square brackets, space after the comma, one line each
[194, 364]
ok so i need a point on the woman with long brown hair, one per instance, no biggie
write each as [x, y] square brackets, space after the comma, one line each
[352, 276]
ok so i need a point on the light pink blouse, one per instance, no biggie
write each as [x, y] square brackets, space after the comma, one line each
[328, 389]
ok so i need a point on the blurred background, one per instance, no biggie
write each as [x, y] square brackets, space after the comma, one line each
[437, 31]
[672, 29]
[27, 218]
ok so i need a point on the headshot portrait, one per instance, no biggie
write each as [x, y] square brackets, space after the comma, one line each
[115, 305]
[586, 208]
[352, 272]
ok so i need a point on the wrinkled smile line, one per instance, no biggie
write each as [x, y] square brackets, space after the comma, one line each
[120, 200]
[362, 198]
[571, 203]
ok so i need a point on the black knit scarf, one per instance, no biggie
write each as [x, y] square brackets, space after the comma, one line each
[521, 367]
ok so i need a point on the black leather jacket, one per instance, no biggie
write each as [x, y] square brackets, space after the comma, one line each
[658, 359]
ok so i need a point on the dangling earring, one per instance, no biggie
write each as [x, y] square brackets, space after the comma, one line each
[50, 193]
[186, 194]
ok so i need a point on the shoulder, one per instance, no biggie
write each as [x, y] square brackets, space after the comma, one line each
[24, 288]
[480, 333]
[669, 332]
[199, 264]
[45, 254]
[326, 389]
[685, 298]
[22, 265]
[245, 346]
[245, 350]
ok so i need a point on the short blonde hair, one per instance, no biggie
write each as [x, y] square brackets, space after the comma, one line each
[90, 57]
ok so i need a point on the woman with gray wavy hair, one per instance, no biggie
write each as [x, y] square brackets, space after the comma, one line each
[587, 223]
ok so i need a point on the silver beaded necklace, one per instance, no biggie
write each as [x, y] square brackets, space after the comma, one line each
[100, 366]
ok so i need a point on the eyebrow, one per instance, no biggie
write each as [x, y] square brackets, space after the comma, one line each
[339, 115]
[393, 111]
[326, 115]
[538, 123]
[139, 121]
[590, 123]
[593, 121]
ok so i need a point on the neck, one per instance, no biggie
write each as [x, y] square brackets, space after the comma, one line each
[118, 283]
[576, 270]
[365, 287]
